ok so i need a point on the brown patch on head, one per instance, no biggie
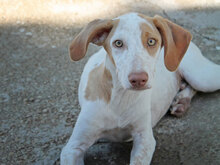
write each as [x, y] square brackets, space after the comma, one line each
[148, 33]
[99, 85]
[107, 44]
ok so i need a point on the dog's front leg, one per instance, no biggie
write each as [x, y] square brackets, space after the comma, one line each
[143, 147]
[85, 133]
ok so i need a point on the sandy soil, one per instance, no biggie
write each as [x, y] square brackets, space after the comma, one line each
[38, 83]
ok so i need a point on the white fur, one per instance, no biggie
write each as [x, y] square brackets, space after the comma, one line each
[134, 57]
[133, 113]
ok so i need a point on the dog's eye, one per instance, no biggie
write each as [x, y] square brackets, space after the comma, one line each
[118, 43]
[151, 42]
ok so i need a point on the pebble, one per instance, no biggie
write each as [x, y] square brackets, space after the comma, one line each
[45, 115]
[29, 100]
[45, 110]
[22, 30]
[4, 97]
[37, 100]
[217, 47]
[28, 34]
[10, 154]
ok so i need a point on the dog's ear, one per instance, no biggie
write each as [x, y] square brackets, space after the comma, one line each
[95, 32]
[175, 40]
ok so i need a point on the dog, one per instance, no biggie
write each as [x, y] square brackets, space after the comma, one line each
[130, 83]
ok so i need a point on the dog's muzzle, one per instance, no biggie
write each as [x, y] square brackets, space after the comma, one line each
[138, 81]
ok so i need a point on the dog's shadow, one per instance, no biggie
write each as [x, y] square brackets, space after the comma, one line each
[108, 153]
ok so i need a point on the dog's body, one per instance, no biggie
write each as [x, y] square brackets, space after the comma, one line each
[125, 89]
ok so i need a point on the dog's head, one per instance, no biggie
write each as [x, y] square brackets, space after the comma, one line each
[133, 43]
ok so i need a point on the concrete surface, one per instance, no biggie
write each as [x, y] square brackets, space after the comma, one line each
[38, 83]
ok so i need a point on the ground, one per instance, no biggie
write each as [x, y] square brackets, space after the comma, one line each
[38, 83]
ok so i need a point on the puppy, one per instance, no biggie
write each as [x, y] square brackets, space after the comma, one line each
[130, 83]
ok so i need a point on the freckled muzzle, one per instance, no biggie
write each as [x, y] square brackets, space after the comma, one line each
[138, 81]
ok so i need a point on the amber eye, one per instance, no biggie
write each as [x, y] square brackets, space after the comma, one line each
[118, 43]
[151, 42]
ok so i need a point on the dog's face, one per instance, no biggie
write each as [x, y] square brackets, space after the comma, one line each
[134, 46]
[133, 43]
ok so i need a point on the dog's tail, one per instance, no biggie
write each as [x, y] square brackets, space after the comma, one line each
[202, 74]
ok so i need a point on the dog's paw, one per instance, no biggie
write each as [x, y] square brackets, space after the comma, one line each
[71, 156]
[182, 100]
[66, 157]
[180, 106]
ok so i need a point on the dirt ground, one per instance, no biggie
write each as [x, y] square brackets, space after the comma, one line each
[38, 83]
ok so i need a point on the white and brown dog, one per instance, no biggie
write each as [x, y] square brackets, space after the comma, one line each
[128, 85]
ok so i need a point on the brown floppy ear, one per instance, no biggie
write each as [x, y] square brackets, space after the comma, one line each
[175, 40]
[95, 32]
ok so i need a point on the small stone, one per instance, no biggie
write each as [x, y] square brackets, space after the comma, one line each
[11, 153]
[46, 145]
[68, 120]
[4, 97]
[39, 97]
[45, 110]
[217, 47]
[31, 99]
[28, 34]
[53, 46]
[22, 30]
[37, 100]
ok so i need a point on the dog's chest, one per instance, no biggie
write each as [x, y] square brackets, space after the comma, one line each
[121, 118]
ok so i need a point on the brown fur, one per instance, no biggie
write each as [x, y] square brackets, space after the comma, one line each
[107, 41]
[175, 39]
[99, 85]
[90, 33]
[146, 34]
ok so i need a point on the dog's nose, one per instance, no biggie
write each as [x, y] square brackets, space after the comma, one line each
[138, 80]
